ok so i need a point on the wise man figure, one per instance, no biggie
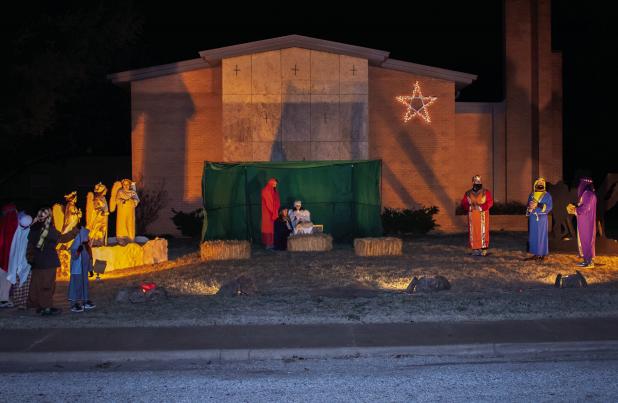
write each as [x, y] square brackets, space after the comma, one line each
[539, 206]
[124, 198]
[586, 213]
[270, 212]
[477, 202]
[97, 214]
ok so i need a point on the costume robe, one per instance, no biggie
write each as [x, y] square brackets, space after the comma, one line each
[283, 228]
[270, 212]
[538, 224]
[8, 226]
[126, 201]
[81, 264]
[586, 224]
[477, 204]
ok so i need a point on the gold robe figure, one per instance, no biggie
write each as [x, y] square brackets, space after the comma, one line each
[66, 219]
[97, 213]
[124, 198]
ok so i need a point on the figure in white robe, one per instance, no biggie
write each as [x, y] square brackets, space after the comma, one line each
[300, 219]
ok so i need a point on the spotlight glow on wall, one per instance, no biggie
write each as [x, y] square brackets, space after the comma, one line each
[416, 104]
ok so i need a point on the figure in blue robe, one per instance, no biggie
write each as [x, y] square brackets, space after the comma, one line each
[81, 264]
[539, 206]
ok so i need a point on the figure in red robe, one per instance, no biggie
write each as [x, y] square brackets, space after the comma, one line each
[477, 202]
[8, 226]
[270, 212]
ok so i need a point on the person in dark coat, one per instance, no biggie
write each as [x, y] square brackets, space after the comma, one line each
[42, 256]
[283, 228]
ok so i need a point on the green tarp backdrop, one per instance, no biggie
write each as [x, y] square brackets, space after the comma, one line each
[344, 196]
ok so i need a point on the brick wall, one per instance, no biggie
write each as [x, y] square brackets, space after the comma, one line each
[418, 158]
[176, 126]
[294, 104]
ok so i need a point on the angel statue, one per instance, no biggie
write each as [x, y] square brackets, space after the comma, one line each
[66, 217]
[66, 220]
[124, 198]
[97, 214]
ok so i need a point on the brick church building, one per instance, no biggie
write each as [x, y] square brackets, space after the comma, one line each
[299, 98]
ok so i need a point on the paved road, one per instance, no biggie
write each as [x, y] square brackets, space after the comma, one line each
[349, 379]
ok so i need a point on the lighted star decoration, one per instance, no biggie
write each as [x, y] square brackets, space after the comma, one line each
[417, 104]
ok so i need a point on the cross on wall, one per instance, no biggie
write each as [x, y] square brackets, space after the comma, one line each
[295, 69]
[236, 70]
[353, 70]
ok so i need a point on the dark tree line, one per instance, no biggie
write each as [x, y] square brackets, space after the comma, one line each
[56, 101]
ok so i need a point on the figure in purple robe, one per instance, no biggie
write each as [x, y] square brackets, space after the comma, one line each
[586, 211]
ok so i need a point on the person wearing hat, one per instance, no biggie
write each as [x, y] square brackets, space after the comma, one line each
[19, 268]
[586, 213]
[43, 239]
[477, 202]
[539, 206]
[300, 219]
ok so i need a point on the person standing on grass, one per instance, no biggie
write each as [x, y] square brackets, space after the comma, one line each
[477, 202]
[81, 264]
[270, 212]
[43, 257]
[539, 206]
[586, 213]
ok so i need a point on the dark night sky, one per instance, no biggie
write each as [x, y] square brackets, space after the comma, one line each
[463, 36]
[466, 37]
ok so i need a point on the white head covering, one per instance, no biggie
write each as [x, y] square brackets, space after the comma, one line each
[25, 221]
[297, 203]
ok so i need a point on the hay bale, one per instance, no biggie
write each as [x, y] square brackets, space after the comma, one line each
[387, 246]
[225, 250]
[310, 243]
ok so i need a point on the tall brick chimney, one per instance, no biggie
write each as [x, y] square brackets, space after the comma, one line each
[533, 97]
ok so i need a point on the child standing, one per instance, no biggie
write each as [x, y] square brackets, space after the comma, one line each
[81, 264]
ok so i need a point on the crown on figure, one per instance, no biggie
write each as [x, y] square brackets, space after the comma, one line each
[476, 179]
[71, 196]
[100, 188]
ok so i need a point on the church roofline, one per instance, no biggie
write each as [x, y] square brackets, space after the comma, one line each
[213, 57]
[461, 80]
[156, 71]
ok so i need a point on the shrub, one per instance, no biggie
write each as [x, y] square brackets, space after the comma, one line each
[189, 224]
[397, 221]
[151, 201]
[510, 208]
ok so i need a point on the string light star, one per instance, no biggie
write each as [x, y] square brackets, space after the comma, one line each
[413, 102]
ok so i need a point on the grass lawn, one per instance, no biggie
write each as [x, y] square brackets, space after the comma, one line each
[339, 287]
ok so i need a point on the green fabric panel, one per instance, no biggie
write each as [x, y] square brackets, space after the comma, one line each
[344, 196]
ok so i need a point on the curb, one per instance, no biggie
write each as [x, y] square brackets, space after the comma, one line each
[502, 351]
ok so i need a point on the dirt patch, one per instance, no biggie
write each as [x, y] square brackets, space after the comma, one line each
[338, 286]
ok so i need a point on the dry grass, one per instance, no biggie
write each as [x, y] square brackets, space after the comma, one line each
[387, 246]
[225, 250]
[339, 286]
[310, 243]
